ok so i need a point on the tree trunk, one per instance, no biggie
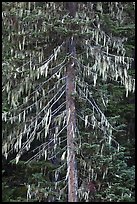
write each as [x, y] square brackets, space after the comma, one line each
[71, 117]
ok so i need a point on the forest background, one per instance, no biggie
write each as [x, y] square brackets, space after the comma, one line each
[34, 61]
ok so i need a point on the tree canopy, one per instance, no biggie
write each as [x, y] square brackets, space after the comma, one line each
[43, 43]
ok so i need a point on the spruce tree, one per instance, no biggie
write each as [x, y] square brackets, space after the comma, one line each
[56, 57]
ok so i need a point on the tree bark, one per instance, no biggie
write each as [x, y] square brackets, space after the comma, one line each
[71, 117]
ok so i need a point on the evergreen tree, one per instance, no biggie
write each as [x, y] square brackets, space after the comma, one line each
[57, 59]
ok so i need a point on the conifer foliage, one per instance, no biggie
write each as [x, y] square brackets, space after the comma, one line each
[55, 57]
